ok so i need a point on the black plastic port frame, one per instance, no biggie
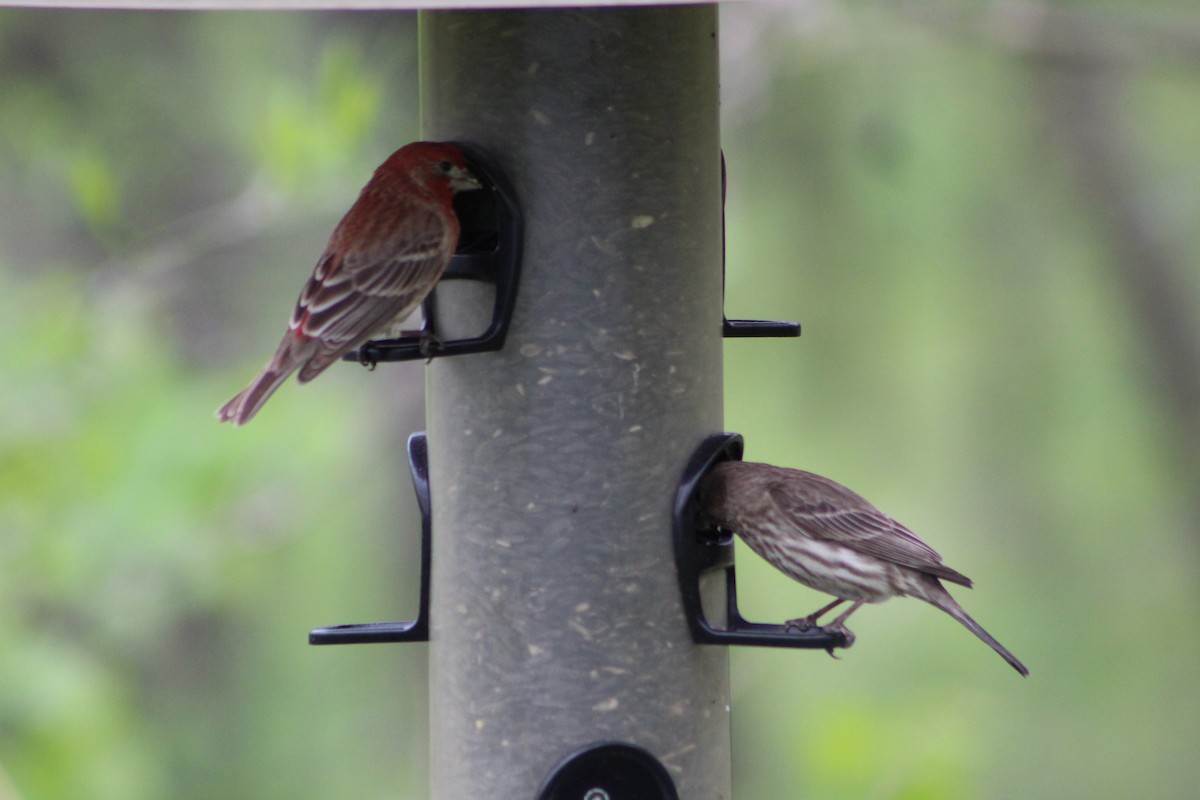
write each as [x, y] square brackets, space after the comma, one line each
[416, 630]
[748, 328]
[489, 250]
[699, 550]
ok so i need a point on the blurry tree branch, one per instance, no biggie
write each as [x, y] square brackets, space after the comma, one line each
[183, 268]
[1080, 57]
[190, 239]
[1079, 70]
[1080, 106]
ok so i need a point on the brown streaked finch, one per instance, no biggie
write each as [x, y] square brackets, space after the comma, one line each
[825, 536]
[382, 260]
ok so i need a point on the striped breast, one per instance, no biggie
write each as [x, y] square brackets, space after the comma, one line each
[819, 564]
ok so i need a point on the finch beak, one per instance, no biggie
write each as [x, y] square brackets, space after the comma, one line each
[463, 181]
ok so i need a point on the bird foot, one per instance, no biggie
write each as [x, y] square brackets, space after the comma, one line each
[428, 344]
[834, 629]
[838, 629]
[801, 623]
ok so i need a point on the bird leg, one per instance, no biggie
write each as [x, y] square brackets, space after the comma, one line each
[428, 345]
[804, 623]
[839, 626]
[428, 342]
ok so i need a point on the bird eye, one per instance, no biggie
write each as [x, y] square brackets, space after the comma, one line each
[445, 166]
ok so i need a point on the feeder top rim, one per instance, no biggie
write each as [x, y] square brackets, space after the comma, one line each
[336, 5]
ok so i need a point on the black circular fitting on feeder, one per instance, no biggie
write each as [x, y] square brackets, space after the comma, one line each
[609, 771]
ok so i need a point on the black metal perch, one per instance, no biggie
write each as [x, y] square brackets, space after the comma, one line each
[748, 328]
[416, 630]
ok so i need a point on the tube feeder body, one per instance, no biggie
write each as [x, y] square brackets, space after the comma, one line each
[556, 618]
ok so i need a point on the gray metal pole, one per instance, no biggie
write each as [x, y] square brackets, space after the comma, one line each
[556, 618]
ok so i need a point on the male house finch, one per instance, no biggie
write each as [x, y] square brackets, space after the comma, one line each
[827, 537]
[383, 259]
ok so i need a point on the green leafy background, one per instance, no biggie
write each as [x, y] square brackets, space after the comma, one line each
[911, 181]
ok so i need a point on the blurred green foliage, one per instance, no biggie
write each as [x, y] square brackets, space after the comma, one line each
[158, 573]
[971, 361]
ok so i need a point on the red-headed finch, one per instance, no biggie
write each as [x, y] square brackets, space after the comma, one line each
[828, 538]
[383, 259]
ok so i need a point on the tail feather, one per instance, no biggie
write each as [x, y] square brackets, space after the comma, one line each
[322, 360]
[945, 602]
[291, 355]
[242, 408]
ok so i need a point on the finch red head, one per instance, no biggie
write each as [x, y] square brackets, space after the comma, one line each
[825, 536]
[383, 259]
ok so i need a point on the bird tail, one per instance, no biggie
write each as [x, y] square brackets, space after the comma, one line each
[942, 599]
[242, 408]
[292, 353]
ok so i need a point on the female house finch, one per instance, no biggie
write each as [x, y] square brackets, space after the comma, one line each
[383, 259]
[825, 536]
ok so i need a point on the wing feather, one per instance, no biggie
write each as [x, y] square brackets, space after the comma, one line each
[854, 523]
[353, 296]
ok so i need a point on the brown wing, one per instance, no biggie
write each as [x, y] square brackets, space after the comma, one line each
[827, 510]
[353, 296]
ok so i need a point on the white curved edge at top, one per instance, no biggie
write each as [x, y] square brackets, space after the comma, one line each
[332, 5]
